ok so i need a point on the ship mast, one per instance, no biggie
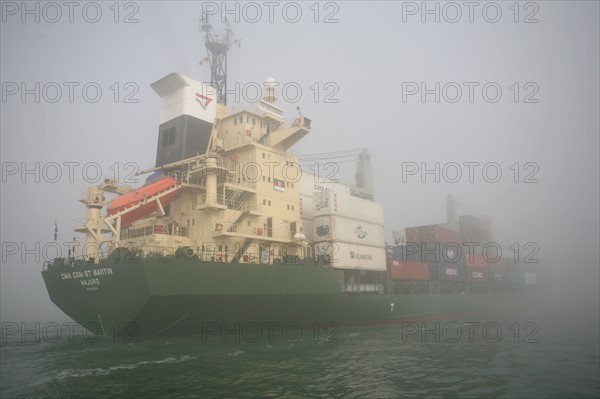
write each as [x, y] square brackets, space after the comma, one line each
[217, 47]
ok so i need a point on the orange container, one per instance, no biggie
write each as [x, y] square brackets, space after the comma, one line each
[409, 270]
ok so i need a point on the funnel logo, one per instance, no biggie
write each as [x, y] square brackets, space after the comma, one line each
[203, 100]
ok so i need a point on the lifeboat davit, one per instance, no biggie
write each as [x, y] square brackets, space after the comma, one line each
[144, 195]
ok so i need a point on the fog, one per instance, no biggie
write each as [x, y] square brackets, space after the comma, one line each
[545, 124]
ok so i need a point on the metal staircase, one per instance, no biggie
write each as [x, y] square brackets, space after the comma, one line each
[232, 198]
[240, 212]
[240, 251]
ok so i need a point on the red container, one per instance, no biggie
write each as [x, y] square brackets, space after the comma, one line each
[432, 233]
[476, 261]
[409, 270]
[477, 275]
[413, 235]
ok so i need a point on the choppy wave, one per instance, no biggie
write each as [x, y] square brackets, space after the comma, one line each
[69, 373]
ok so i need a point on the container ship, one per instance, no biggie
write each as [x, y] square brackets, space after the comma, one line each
[229, 229]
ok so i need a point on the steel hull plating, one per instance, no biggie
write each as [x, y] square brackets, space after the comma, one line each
[178, 296]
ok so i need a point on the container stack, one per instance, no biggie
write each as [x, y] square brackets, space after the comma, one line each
[474, 229]
[349, 230]
[476, 268]
[521, 274]
[498, 272]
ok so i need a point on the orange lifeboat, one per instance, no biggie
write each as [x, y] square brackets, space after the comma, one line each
[142, 195]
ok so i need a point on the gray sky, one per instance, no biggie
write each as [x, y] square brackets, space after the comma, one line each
[369, 57]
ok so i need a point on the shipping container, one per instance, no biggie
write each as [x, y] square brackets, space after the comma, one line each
[498, 274]
[477, 274]
[474, 229]
[426, 252]
[352, 256]
[346, 205]
[517, 277]
[523, 277]
[341, 229]
[500, 263]
[449, 271]
[409, 270]
[530, 278]
[472, 260]
[432, 233]
[309, 184]
[405, 253]
[435, 252]
[469, 221]
[521, 273]
[477, 236]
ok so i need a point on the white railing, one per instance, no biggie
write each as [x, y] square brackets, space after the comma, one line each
[364, 288]
[155, 229]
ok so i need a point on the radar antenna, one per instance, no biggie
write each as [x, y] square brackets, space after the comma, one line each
[217, 47]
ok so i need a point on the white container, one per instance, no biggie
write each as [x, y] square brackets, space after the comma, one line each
[344, 204]
[309, 184]
[341, 229]
[352, 256]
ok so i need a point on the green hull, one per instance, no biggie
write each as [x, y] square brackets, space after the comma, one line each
[149, 296]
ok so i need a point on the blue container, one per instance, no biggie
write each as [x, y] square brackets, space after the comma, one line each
[517, 277]
[406, 253]
[447, 271]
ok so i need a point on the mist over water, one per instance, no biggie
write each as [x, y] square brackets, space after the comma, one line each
[506, 355]
[548, 194]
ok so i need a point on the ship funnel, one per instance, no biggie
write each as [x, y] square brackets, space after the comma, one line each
[270, 84]
[187, 115]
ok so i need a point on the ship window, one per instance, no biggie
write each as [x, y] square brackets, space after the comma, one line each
[172, 135]
[253, 122]
[165, 138]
